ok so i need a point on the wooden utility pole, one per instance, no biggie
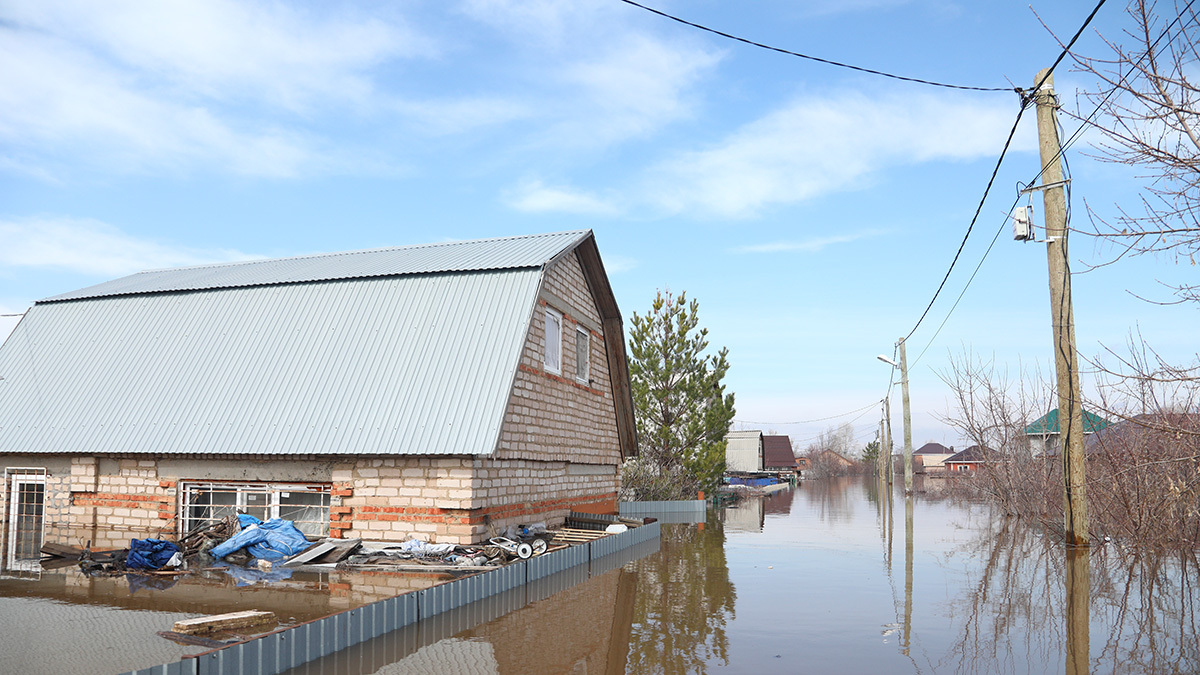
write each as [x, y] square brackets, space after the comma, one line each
[908, 466]
[1062, 315]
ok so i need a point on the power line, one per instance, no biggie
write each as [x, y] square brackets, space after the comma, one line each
[809, 57]
[1000, 160]
[819, 419]
[1061, 154]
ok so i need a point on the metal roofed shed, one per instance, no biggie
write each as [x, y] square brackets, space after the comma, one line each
[434, 389]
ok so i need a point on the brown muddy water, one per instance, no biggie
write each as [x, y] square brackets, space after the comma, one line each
[821, 579]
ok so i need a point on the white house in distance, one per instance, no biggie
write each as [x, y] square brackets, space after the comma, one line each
[426, 390]
[932, 456]
[744, 451]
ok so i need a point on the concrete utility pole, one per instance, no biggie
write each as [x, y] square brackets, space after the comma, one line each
[908, 467]
[1062, 315]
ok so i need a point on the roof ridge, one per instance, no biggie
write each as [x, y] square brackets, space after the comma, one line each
[361, 251]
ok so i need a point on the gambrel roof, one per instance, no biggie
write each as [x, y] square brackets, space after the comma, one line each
[409, 350]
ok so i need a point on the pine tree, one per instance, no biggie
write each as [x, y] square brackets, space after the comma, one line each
[682, 410]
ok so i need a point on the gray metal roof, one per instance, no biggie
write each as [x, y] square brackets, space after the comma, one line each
[483, 254]
[412, 364]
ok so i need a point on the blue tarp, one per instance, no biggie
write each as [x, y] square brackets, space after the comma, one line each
[273, 540]
[149, 554]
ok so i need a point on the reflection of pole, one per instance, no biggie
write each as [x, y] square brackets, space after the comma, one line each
[908, 570]
[887, 422]
[908, 466]
[1079, 585]
[1062, 316]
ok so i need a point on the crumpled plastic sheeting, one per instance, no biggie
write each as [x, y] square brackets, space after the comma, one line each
[149, 554]
[273, 540]
[424, 549]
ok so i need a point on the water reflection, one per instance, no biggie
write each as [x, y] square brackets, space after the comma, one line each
[1033, 598]
[685, 599]
[809, 583]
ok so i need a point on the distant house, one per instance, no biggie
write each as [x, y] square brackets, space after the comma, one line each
[969, 460]
[931, 456]
[744, 451]
[430, 390]
[777, 454]
[835, 459]
[1044, 437]
[803, 464]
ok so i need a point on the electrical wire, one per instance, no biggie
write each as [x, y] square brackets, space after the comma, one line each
[819, 419]
[809, 57]
[1066, 173]
[1025, 101]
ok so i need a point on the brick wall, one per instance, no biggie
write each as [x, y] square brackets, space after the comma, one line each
[554, 417]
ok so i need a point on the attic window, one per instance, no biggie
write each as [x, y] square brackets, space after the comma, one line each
[582, 350]
[553, 356]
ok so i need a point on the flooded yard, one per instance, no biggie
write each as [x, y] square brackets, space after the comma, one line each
[822, 578]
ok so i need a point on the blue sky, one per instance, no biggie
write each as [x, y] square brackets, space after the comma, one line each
[811, 210]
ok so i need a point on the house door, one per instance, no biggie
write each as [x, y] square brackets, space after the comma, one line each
[26, 509]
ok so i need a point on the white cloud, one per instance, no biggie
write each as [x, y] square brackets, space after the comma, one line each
[533, 196]
[808, 245]
[145, 86]
[220, 48]
[95, 248]
[636, 86]
[598, 93]
[818, 145]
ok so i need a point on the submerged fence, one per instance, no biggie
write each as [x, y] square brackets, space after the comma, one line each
[285, 649]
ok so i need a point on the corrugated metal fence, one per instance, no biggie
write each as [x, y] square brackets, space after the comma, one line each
[687, 511]
[285, 649]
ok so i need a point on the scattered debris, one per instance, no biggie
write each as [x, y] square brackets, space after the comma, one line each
[220, 622]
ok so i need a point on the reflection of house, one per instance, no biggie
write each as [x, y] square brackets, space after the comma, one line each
[744, 451]
[931, 456]
[426, 390]
[967, 461]
[1044, 436]
[777, 454]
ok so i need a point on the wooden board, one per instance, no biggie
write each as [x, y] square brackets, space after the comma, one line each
[571, 535]
[230, 621]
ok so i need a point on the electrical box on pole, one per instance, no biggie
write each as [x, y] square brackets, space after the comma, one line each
[1022, 218]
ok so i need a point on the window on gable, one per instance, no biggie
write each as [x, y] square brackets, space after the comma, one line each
[582, 353]
[553, 356]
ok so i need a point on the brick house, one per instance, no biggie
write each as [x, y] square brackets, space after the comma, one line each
[428, 391]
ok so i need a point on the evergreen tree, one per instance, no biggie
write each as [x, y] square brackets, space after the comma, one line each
[682, 410]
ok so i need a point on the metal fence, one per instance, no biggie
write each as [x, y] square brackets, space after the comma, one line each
[310, 642]
[686, 511]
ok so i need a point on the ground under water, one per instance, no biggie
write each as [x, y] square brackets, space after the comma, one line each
[825, 578]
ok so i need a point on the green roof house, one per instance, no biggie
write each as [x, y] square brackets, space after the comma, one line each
[1044, 436]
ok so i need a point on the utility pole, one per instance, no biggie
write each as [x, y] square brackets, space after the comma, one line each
[908, 467]
[1062, 315]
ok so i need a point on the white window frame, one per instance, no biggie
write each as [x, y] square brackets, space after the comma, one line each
[273, 506]
[583, 337]
[552, 358]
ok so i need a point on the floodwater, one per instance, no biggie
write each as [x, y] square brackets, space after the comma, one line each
[825, 578]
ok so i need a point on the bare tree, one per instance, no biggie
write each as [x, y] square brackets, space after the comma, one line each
[1147, 110]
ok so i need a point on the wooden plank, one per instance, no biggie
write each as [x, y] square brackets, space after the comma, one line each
[61, 551]
[230, 621]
